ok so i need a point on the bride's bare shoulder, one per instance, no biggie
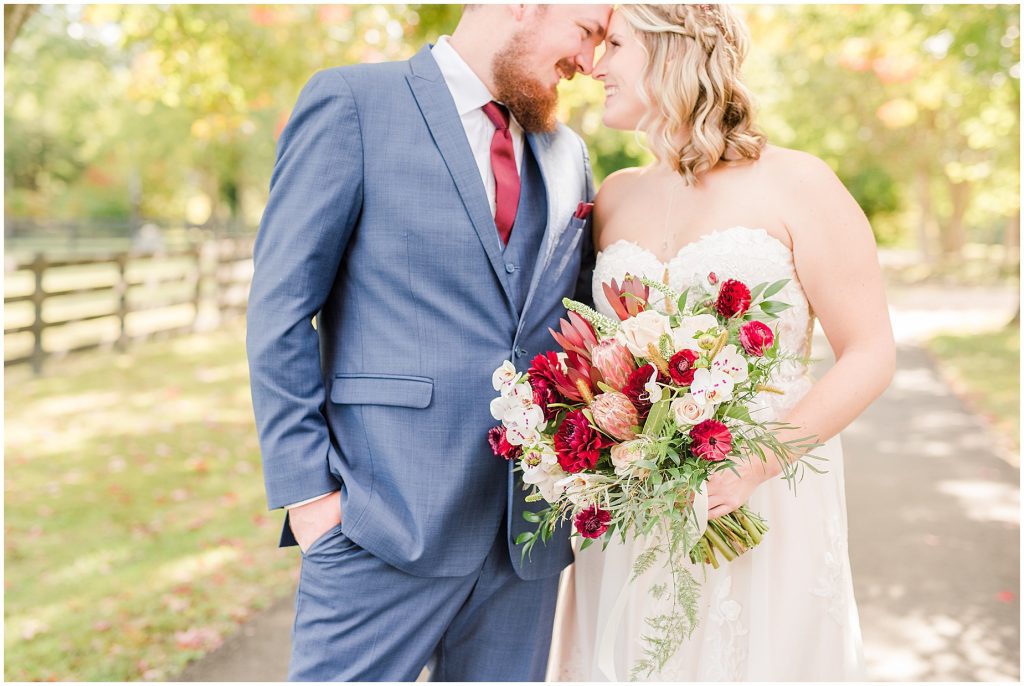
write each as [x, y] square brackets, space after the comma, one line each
[813, 195]
[613, 197]
[617, 186]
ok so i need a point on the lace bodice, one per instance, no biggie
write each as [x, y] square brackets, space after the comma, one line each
[750, 255]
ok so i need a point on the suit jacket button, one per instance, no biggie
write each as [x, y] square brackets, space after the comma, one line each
[509, 267]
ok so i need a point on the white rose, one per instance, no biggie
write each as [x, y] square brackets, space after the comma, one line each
[688, 411]
[711, 387]
[645, 328]
[684, 335]
[730, 361]
[625, 454]
[505, 375]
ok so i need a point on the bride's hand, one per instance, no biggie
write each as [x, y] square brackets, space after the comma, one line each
[728, 491]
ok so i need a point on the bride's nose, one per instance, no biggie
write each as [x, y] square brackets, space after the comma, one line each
[600, 70]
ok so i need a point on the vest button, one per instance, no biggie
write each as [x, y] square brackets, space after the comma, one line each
[509, 267]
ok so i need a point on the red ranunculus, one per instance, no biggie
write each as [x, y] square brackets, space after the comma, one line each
[733, 299]
[635, 391]
[544, 395]
[592, 522]
[756, 337]
[577, 443]
[501, 446]
[711, 440]
[681, 368]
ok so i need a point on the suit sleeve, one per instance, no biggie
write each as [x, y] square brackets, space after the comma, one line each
[584, 289]
[315, 200]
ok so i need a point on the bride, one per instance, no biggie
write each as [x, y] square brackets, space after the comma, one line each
[720, 199]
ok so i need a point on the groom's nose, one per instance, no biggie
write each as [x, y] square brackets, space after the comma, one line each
[585, 61]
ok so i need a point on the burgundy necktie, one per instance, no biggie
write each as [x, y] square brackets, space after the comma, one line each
[506, 175]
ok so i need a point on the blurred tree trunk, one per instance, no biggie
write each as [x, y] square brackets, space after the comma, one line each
[926, 214]
[1011, 241]
[15, 17]
[953, 236]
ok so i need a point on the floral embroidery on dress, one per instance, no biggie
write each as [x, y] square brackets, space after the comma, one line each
[727, 652]
[829, 586]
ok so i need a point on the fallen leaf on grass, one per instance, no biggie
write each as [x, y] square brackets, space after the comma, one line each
[200, 638]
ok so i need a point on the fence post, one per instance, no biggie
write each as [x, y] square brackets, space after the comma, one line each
[197, 294]
[38, 296]
[122, 300]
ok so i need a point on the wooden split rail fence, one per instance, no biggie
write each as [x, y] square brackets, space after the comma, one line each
[212, 279]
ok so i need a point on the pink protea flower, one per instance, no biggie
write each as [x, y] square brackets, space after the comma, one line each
[629, 299]
[712, 440]
[615, 415]
[577, 335]
[614, 362]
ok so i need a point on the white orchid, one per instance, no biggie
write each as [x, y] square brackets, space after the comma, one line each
[517, 396]
[653, 388]
[573, 487]
[730, 361]
[711, 387]
[505, 376]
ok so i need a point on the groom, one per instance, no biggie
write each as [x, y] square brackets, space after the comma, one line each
[431, 215]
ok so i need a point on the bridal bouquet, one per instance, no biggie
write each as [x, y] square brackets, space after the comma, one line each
[620, 430]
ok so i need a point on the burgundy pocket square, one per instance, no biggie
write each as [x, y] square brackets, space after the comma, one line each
[583, 210]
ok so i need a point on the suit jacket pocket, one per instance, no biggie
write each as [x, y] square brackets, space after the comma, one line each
[382, 389]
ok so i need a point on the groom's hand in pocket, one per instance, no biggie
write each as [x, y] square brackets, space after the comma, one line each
[312, 520]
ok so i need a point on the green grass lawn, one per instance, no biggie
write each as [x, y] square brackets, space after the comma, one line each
[136, 530]
[986, 368]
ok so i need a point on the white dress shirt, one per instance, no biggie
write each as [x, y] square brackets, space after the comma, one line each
[470, 95]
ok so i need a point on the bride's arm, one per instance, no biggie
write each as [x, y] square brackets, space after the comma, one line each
[837, 264]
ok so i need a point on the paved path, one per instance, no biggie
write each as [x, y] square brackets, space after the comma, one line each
[934, 532]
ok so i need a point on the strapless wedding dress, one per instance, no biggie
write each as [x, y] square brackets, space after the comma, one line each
[783, 611]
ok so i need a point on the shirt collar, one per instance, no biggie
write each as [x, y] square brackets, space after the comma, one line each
[468, 91]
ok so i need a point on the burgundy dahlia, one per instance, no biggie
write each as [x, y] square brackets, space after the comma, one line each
[711, 440]
[592, 522]
[635, 391]
[577, 444]
[756, 337]
[544, 395]
[733, 299]
[681, 368]
[500, 445]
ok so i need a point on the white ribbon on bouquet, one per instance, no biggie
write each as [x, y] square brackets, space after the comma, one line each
[606, 644]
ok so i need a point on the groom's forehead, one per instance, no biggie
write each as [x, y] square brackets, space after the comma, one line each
[594, 17]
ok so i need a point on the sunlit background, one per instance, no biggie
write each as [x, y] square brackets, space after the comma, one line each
[138, 147]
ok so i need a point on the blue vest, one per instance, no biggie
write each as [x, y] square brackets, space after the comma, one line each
[524, 245]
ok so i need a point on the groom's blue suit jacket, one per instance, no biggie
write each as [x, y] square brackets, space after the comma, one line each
[378, 225]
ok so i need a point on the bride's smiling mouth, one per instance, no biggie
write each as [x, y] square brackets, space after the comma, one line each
[609, 91]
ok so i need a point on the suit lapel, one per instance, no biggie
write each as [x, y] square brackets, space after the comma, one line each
[552, 168]
[438, 109]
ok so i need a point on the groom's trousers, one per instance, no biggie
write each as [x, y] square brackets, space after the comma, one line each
[359, 619]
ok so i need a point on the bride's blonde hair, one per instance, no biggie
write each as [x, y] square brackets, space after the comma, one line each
[692, 83]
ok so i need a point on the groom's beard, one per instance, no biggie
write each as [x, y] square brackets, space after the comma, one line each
[530, 101]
